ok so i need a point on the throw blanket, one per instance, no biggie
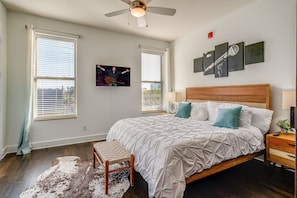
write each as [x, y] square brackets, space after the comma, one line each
[168, 149]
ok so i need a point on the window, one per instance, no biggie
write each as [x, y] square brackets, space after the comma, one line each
[151, 81]
[54, 77]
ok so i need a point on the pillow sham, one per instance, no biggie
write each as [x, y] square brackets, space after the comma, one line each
[245, 118]
[200, 114]
[199, 111]
[212, 108]
[261, 118]
[228, 117]
[184, 110]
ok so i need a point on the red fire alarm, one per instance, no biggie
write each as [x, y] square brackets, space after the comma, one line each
[210, 35]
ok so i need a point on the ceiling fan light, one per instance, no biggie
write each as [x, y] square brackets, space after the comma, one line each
[137, 12]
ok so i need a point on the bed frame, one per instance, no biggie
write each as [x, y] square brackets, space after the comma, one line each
[257, 95]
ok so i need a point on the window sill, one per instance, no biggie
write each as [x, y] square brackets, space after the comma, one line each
[160, 112]
[45, 118]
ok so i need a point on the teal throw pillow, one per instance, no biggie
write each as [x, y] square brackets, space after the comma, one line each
[228, 118]
[184, 110]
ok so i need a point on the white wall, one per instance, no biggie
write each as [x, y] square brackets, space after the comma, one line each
[98, 107]
[271, 21]
[3, 79]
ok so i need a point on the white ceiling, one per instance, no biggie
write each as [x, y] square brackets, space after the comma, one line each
[190, 14]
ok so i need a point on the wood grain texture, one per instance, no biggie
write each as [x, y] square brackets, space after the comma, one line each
[250, 179]
[20, 172]
[258, 93]
[285, 143]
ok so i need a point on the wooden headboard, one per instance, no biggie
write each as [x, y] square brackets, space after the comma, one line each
[257, 95]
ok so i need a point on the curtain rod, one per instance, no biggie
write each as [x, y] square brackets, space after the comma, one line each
[57, 32]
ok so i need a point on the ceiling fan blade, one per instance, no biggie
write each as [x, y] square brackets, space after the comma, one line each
[141, 21]
[127, 1]
[159, 10]
[145, 1]
[115, 13]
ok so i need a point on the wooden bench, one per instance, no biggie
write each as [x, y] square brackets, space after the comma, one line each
[111, 152]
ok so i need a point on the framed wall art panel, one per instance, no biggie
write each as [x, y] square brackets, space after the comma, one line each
[236, 57]
[208, 63]
[198, 65]
[254, 53]
[221, 60]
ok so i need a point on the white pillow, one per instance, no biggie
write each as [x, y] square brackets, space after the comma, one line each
[200, 114]
[199, 111]
[214, 106]
[212, 110]
[257, 117]
[245, 118]
[261, 118]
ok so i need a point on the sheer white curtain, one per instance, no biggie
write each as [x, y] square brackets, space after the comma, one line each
[24, 146]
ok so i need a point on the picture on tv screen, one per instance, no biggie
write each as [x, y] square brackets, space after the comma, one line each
[112, 75]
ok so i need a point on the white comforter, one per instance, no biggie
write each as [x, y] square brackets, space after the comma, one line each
[168, 149]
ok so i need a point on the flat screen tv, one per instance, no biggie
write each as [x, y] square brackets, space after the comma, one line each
[112, 76]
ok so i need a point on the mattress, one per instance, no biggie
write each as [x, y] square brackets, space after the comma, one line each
[168, 149]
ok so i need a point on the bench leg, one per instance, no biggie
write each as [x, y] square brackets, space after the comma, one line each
[132, 170]
[106, 176]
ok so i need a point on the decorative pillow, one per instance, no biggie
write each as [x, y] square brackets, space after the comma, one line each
[184, 110]
[199, 111]
[261, 118]
[228, 118]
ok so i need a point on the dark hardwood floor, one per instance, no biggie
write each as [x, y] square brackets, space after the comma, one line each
[250, 180]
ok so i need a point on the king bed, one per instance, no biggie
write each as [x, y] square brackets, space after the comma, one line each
[171, 151]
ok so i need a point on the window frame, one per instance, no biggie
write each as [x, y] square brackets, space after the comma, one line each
[57, 37]
[161, 54]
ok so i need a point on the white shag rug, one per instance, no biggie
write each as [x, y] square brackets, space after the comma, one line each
[71, 177]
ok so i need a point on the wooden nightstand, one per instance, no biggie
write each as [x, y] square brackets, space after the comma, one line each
[281, 149]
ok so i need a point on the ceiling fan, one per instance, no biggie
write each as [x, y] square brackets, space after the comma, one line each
[138, 9]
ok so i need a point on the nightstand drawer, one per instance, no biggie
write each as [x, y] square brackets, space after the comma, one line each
[282, 154]
[282, 145]
[283, 158]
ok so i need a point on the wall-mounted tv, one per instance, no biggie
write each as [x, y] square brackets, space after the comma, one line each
[112, 75]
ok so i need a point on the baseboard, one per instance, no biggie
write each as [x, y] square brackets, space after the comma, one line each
[3, 153]
[67, 141]
[60, 142]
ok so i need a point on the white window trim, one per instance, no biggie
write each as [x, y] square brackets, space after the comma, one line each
[50, 34]
[161, 52]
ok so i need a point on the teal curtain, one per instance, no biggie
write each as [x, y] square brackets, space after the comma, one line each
[24, 145]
